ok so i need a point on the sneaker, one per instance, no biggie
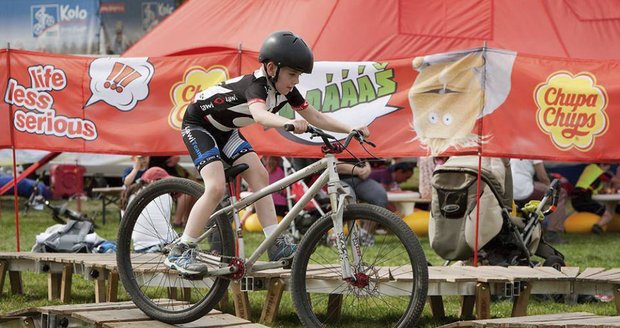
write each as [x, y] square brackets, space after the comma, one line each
[182, 258]
[597, 229]
[281, 249]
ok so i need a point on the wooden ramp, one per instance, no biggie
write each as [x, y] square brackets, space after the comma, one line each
[577, 319]
[475, 285]
[111, 315]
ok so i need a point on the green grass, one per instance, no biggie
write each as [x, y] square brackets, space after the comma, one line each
[582, 250]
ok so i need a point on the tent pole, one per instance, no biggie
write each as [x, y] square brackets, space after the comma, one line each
[478, 184]
[240, 52]
[15, 200]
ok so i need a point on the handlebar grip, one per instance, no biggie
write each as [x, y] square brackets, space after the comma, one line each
[289, 127]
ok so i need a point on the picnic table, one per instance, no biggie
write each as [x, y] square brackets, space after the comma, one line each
[406, 200]
[109, 195]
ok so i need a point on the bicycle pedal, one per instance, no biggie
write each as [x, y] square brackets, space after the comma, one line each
[287, 263]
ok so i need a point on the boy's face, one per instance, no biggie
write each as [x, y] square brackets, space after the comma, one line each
[287, 79]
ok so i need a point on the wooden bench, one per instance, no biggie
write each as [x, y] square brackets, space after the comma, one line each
[576, 319]
[112, 315]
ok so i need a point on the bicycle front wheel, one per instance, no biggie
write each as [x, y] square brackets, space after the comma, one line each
[390, 281]
[144, 240]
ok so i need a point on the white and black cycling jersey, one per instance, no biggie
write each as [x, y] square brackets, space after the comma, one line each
[226, 106]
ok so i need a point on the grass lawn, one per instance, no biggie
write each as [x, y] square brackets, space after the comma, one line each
[582, 250]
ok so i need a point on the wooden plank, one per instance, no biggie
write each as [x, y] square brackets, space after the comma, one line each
[617, 299]
[65, 283]
[53, 285]
[112, 295]
[272, 301]
[519, 307]
[570, 271]
[483, 301]
[17, 285]
[334, 307]
[211, 320]
[100, 317]
[467, 306]
[100, 291]
[436, 306]
[241, 301]
[589, 272]
[67, 309]
[3, 270]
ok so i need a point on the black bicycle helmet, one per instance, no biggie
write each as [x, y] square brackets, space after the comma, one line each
[285, 49]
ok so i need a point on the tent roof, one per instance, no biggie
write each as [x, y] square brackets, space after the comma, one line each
[392, 29]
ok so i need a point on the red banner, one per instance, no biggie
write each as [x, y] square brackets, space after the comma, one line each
[493, 101]
[107, 105]
[5, 115]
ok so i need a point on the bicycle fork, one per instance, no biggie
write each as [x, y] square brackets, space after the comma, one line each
[338, 197]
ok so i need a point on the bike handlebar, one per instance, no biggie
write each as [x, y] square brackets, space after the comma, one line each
[332, 147]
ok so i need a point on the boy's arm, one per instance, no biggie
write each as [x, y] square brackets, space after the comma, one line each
[541, 173]
[327, 122]
[262, 116]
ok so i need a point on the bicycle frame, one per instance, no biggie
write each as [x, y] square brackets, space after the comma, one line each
[337, 195]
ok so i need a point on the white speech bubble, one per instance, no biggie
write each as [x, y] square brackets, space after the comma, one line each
[120, 82]
[356, 116]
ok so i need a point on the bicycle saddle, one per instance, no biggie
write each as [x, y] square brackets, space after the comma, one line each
[231, 173]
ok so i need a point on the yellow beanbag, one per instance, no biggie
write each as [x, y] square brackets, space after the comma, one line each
[580, 222]
[418, 221]
[252, 224]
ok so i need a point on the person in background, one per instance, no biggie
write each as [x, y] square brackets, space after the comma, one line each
[426, 166]
[530, 182]
[171, 165]
[392, 176]
[356, 176]
[153, 229]
[592, 181]
[134, 172]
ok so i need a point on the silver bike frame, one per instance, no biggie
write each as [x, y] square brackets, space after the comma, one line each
[338, 196]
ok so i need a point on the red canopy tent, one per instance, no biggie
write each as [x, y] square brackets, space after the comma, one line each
[392, 29]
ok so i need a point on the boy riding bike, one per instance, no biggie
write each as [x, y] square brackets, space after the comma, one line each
[211, 133]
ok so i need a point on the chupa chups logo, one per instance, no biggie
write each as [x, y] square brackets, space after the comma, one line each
[571, 110]
[195, 80]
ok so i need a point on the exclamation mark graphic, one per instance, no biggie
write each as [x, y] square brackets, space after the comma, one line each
[120, 77]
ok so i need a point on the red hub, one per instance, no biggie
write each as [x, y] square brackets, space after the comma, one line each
[238, 264]
[361, 280]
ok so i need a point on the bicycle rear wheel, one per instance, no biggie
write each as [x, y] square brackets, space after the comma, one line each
[144, 239]
[390, 286]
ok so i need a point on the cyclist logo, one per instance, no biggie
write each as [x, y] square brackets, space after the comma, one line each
[571, 110]
[44, 20]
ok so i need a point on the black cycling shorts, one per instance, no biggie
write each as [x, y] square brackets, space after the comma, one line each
[207, 144]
